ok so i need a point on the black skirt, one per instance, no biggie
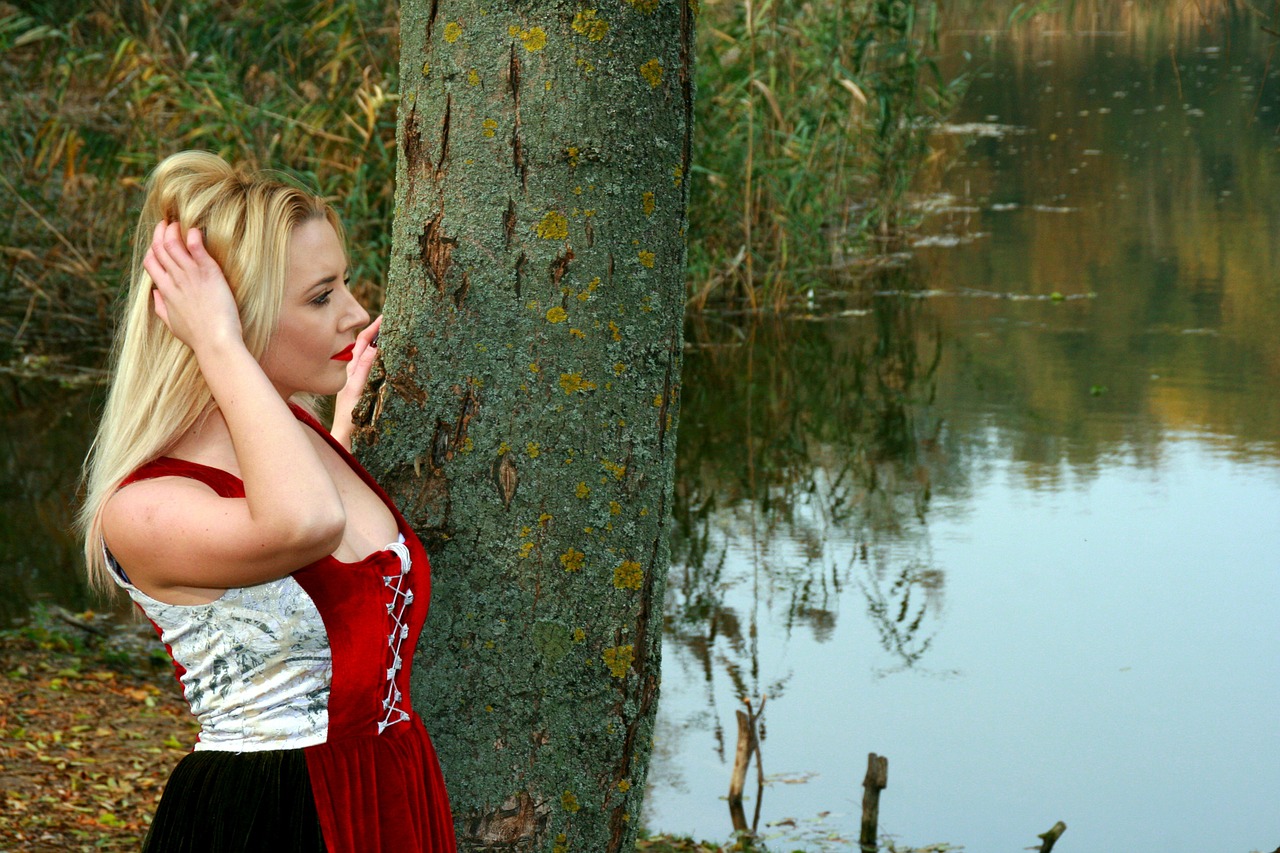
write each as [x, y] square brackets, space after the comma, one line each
[228, 802]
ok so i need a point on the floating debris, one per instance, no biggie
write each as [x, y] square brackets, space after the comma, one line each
[974, 293]
[947, 241]
[986, 129]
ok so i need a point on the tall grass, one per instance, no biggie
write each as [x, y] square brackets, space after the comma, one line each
[93, 94]
[813, 119]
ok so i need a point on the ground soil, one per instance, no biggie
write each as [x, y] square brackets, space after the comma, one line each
[90, 726]
[91, 723]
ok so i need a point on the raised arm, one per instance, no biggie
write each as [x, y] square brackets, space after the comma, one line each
[176, 534]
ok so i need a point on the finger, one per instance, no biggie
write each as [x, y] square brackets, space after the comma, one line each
[362, 359]
[154, 268]
[162, 310]
[365, 345]
[370, 331]
[175, 247]
[157, 246]
[195, 245]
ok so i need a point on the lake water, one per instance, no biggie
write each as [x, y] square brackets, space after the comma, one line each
[1008, 516]
[1015, 522]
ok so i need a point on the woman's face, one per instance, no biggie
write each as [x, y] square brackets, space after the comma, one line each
[319, 317]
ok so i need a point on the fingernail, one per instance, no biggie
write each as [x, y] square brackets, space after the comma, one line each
[373, 342]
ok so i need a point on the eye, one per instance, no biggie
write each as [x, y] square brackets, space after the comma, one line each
[322, 299]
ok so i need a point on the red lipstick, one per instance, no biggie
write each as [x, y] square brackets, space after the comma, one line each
[345, 355]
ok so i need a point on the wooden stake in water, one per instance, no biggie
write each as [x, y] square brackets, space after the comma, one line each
[748, 743]
[876, 780]
[1051, 837]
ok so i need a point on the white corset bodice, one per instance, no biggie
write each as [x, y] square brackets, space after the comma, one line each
[254, 665]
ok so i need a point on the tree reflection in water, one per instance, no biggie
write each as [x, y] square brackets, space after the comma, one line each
[808, 449]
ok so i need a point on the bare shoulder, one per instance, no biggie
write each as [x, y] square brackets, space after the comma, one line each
[140, 519]
[175, 537]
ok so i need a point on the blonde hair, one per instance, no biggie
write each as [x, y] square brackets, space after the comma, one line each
[157, 392]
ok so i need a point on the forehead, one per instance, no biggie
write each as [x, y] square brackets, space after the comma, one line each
[315, 253]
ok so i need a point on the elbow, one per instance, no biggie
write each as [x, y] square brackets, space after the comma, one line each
[327, 529]
[317, 535]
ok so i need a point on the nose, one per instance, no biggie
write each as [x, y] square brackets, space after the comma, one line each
[354, 316]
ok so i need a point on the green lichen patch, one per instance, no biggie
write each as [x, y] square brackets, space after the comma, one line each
[452, 31]
[551, 640]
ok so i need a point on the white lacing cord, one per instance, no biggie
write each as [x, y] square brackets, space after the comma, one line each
[397, 607]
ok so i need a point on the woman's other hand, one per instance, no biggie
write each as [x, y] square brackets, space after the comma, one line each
[362, 358]
[192, 297]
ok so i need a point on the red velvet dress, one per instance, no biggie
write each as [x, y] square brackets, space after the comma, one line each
[315, 664]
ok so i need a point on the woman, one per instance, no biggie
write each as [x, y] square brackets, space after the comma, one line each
[249, 536]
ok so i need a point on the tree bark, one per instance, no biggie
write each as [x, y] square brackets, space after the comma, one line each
[523, 414]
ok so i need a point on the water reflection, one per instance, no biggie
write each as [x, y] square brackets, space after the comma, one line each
[1056, 409]
[798, 436]
[44, 431]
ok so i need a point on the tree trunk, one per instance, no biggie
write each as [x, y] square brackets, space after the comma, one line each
[523, 415]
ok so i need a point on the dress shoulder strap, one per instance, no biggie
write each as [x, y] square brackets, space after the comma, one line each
[223, 483]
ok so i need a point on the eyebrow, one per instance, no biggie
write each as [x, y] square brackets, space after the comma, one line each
[327, 280]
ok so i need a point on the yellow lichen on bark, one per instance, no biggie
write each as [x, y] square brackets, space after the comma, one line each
[618, 659]
[586, 23]
[652, 72]
[552, 226]
[534, 38]
[628, 575]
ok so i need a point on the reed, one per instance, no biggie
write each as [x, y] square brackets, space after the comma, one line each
[813, 122]
[95, 93]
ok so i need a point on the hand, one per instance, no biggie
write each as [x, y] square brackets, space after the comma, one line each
[363, 356]
[192, 297]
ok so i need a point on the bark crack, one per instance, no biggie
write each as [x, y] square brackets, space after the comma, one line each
[561, 265]
[520, 265]
[431, 19]
[444, 136]
[437, 251]
[517, 145]
[509, 223]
